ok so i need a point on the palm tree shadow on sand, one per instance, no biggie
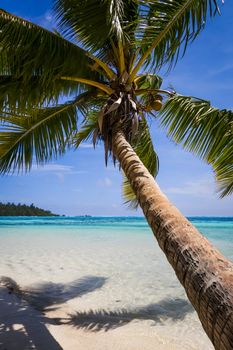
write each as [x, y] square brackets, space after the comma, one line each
[47, 296]
[22, 322]
[104, 320]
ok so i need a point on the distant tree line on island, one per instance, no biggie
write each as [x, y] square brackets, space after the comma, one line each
[11, 209]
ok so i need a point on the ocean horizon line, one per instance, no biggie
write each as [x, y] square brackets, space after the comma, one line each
[109, 216]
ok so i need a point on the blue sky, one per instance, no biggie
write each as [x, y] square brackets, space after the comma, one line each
[79, 183]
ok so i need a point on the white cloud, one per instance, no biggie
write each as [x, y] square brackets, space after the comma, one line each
[199, 188]
[85, 145]
[59, 170]
[53, 168]
[222, 69]
[106, 182]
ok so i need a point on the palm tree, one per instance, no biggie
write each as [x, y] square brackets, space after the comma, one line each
[103, 64]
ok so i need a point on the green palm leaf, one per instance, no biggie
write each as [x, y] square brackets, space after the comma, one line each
[90, 126]
[89, 129]
[109, 50]
[25, 45]
[205, 131]
[166, 27]
[79, 20]
[223, 168]
[43, 134]
[15, 93]
[24, 70]
[148, 81]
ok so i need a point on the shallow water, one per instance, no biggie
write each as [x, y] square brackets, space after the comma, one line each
[105, 273]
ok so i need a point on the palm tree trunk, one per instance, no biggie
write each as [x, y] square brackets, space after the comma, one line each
[205, 273]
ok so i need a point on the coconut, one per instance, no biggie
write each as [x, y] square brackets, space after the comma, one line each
[157, 103]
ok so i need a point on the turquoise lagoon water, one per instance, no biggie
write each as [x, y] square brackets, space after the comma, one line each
[219, 230]
[107, 264]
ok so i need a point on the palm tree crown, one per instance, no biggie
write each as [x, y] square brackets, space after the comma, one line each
[104, 63]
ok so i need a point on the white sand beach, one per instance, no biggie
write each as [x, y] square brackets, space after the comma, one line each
[25, 327]
[81, 288]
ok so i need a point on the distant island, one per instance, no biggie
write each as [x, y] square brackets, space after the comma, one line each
[11, 209]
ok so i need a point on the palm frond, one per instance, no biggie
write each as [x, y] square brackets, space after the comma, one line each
[91, 21]
[128, 194]
[204, 131]
[15, 93]
[223, 167]
[116, 11]
[43, 134]
[79, 20]
[144, 148]
[148, 81]
[166, 27]
[24, 47]
[87, 82]
[110, 51]
[89, 130]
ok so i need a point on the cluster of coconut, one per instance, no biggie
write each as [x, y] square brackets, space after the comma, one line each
[154, 104]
